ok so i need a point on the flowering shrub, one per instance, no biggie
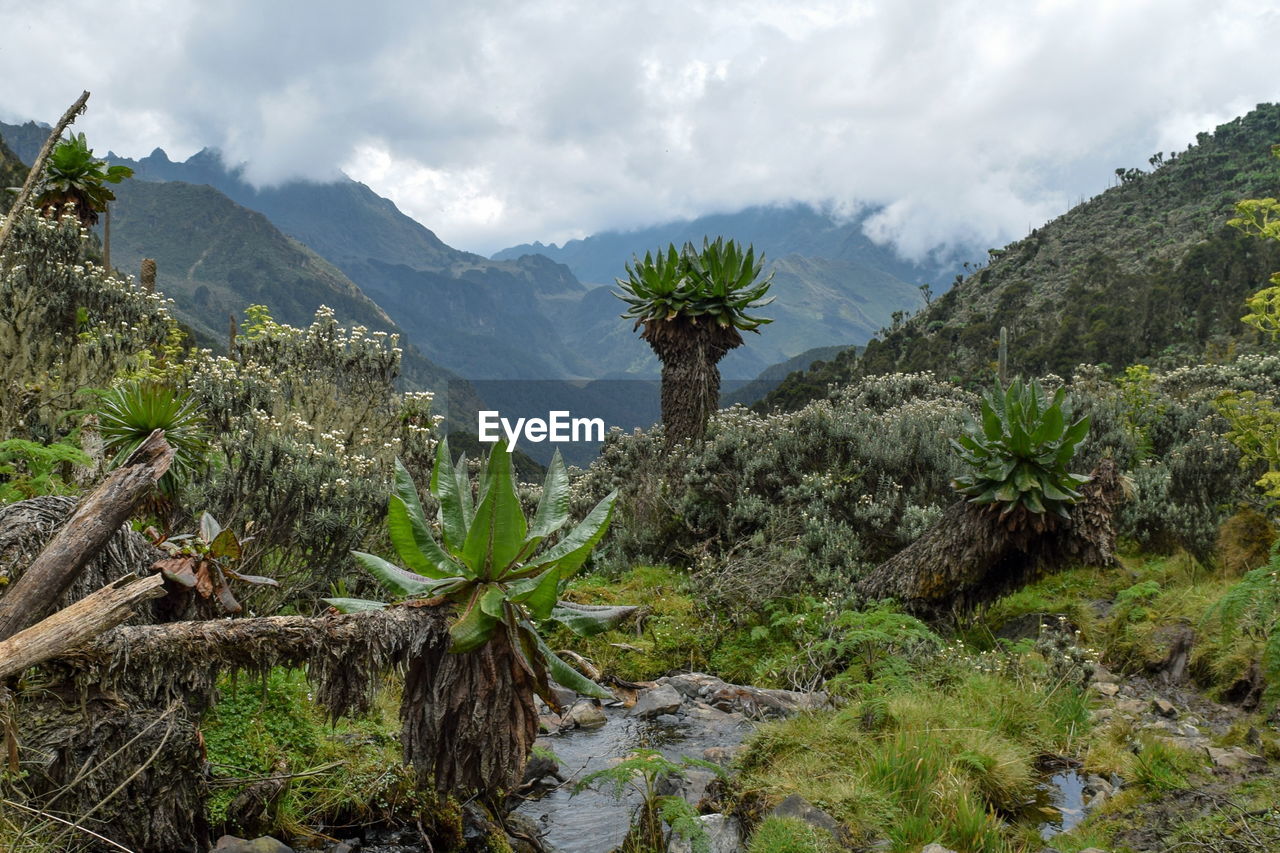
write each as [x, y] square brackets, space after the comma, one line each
[308, 423]
[65, 325]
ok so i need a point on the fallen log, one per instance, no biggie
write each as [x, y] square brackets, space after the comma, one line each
[75, 625]
[968, 557]
[90, 527]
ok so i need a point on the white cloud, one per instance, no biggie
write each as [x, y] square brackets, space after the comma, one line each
[501, 122]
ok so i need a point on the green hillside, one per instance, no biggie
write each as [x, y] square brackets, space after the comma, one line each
[214, 258]
[1146, 271]
[25, 140]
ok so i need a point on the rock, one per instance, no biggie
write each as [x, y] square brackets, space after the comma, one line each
[1164, 707]
[1105, 689]
[523, 833]
[699, 710]
[1232, 758]
[695, 784]
[663, 699]
[1097, 800]
[1097, 785]
[668, 720]
[798, 807]
[1093, 850]
[1101, 715]
[564, 695]
[549, 723]
[1131, 706]
[936, 848]
[723, 755]
[265, 844]
[1188, 730]
[1102, 675]
[754, 702]
[343, 847]
[723, 832]
[585, 714]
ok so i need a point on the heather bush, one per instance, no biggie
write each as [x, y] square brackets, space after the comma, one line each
[66, 324]
[307, 423]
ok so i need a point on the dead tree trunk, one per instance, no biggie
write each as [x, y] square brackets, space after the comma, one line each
[94, 522]
[969, 557]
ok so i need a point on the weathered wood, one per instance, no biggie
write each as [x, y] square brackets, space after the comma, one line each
[37, 168]
[77, 624]
[94, 522]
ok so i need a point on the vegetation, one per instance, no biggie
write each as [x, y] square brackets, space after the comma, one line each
[73, 176]
[692, 306]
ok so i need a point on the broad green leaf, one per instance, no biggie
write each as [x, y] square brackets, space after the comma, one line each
[473, 627]
[586, 620]
[572, 551]
[991, 425]
[497, 532]
[491, 599]
[553, 509]
[569, 677]
[538, 593]
[414, 543]
[354, 605]
[445, 489]
[1050, 426]
[398, 581]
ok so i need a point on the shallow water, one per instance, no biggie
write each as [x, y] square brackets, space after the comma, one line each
[1065, 791]
[594, 821]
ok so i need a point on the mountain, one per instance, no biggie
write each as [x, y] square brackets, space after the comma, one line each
[480, 318]
[13, 171]
[25, 140]
[776, 230]
[1147, 271]
[771, 377]
[833, 285]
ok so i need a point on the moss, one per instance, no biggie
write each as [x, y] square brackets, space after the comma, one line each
[790, 835]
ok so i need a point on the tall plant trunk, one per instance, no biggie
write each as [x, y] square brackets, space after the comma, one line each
[690, 353]
[970, 556]
[468, 720]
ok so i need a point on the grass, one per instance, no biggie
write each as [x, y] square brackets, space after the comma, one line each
[349, 771]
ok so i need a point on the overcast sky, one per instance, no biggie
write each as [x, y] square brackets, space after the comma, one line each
[495, 123]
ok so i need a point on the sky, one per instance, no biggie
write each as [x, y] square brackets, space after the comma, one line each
[960, 123]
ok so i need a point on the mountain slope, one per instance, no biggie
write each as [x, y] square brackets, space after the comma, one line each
[777, 230]
[12, 174]
[1145, 271]
[478, 317]
[25, 140]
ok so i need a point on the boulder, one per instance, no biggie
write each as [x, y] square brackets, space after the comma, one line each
[663, 699]
[265, 844]
[585, 714]
[1164, 707]
[798, 807]
[724, 833]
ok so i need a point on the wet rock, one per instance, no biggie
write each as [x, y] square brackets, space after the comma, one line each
[699, 710]
[549, 723]
[668, 720]
[724, 834]
[1105, 689]
[695, 784]
[1164, 707]
[663, 699]
[1097, 800]
[798, 807]
[585, 715]
[1095, 784]
[754, 702]
[265, 844]
[523, 833]
[564, 695]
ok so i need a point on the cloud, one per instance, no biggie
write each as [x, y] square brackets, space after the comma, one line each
[503, 122]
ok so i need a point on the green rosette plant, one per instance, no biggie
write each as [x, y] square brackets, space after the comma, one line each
[491, 565]
[1019, 454]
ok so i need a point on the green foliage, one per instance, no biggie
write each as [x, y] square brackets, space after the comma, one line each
[719, 283]
[350, 768]
[1249, 612]
[129, 413]
[28, 469]
[66, 325]
[790, 835]
[488, 562]
[1019, 456]
[788, 504]
[641, 771]
[307, 423]
[1162, 767]
[74, 176]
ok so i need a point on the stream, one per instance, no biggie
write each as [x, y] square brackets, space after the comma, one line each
[593, 821]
